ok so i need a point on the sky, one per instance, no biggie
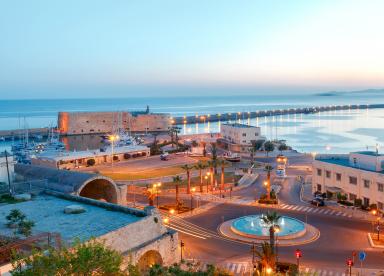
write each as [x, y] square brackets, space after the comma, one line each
[64, 49]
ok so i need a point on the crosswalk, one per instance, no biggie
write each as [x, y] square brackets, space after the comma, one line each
[319, 210]
[244, 268]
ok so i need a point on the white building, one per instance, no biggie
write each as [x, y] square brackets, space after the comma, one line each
[77, 159]
[239, 137]
[3, 168]
[359, 175]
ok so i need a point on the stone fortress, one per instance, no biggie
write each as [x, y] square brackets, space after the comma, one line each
[75, 123]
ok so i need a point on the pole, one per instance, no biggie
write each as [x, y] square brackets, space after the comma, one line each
[112, 144]
[361, 267]
[157, 198]
[191, 203]
[181, 250]
[350, 270]
[9, 178]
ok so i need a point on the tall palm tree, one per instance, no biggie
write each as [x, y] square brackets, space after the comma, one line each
[177, 180]
[211, 165]
[266, 255]
[271, 219]
[200, 166]
[268, 168]
[214, 156]
[188, 169]
[222, 163]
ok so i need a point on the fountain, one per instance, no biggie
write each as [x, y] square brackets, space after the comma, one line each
[254, 227]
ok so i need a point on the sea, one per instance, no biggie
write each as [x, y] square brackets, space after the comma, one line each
[325, 132]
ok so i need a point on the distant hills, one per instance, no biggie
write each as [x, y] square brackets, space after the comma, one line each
[344, 93]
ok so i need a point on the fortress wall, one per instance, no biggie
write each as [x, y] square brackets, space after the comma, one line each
[72, 123]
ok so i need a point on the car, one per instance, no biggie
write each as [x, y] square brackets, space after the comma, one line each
[164, 157]
[317, 202]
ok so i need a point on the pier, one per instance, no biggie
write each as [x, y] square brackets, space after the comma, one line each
[202, 118]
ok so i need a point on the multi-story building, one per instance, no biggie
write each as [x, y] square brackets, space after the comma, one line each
[239, 137]
[359, 175]
[73, 123]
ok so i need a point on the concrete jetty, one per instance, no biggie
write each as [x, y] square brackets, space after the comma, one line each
[202, 118]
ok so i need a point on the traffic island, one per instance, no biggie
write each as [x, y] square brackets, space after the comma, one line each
[234, 229]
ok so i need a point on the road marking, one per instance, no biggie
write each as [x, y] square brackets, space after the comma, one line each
[294, 208]
[239, 267]
[338, 213]
[315, 210]
[283, 206]
[333, 212]
[330, 273]
[345, 214]
[289, 207]
[326, 212]
[302, 207]
[306, 209]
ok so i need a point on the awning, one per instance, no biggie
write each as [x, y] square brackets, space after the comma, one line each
[334, 189]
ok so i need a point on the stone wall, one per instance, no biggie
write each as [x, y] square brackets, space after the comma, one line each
[72, 123]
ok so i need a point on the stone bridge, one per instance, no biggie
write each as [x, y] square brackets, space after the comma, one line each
[72, 182]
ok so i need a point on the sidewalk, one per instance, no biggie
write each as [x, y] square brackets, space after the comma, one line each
[352, 212]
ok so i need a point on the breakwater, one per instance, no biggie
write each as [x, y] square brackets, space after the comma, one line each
[202, 118]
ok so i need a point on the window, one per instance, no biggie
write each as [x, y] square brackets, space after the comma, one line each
[365, 201]
[380, 205]
[338, 176]
[352, 197]
[366, 183]
[319, 172]
[244, 134]
[353, 180]
[318, 187]
[244, 141]
[327, 174]
[380, 187]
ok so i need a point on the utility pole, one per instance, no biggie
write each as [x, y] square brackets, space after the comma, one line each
[181, 250]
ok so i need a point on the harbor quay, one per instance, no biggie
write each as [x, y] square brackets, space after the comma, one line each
[83, 123]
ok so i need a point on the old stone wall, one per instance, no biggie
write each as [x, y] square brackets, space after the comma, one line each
[72, 123]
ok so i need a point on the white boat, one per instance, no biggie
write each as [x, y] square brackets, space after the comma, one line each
[232, 157]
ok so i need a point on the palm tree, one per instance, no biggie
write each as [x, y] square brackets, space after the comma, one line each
[222, 163]
[272, 221]
[177, 180]
[188, 169]
[211, 165]
[268, 168]
[200, 166]
[266, 255]
[204, 144]
[214, 156]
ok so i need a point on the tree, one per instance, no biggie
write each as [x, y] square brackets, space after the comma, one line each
[282, 147]
[271, 219]
[18, 221]
[269, 146]
[90, 258]
[266, 255]
[194, 143]
[258, 144]
[201, 166]
[204, 144]
[177, 180]
[222, 163]
[268, 168]
[91, 162]
[214, 156]
[188, 169]
[211, 165]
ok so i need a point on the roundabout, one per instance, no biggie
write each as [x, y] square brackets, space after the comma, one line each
[253, 229]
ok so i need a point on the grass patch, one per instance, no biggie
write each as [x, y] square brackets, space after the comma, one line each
[158, 172]
[8, 199]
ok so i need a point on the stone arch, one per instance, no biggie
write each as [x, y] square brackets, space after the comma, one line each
[148, 259]
[100, 188]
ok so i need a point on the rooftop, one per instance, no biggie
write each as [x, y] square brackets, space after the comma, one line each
[343, 161]
[70, 155]
[237, 125]
[48, 214]
[370, 153]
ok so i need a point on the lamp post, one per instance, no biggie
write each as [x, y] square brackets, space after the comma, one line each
[156, 187]
[182, 244]
[206, 181]
[350, 264]
[113, 138]
[193, 189]
[376, 213]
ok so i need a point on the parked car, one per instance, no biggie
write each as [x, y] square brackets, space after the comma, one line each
[317, 202]
[164, 156]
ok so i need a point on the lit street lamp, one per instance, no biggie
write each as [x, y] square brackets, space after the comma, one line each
[113, 138]
[156, 188]
[298, 256]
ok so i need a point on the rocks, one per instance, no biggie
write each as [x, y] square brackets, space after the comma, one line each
[74, 209]
[22, 197]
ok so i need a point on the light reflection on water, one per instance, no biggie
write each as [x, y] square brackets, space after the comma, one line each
[334, 131]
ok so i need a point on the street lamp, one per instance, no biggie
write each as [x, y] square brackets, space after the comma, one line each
[206, 181]
[156, 187]
[172, 211]
[113, 138]
[350, 264]
[376, 213]
[193, 189]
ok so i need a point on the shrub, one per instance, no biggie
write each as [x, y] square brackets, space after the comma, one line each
[115, 158]
[127, 156]
[373, 206]
[358, 202]
[345, 202]
[91, 162]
